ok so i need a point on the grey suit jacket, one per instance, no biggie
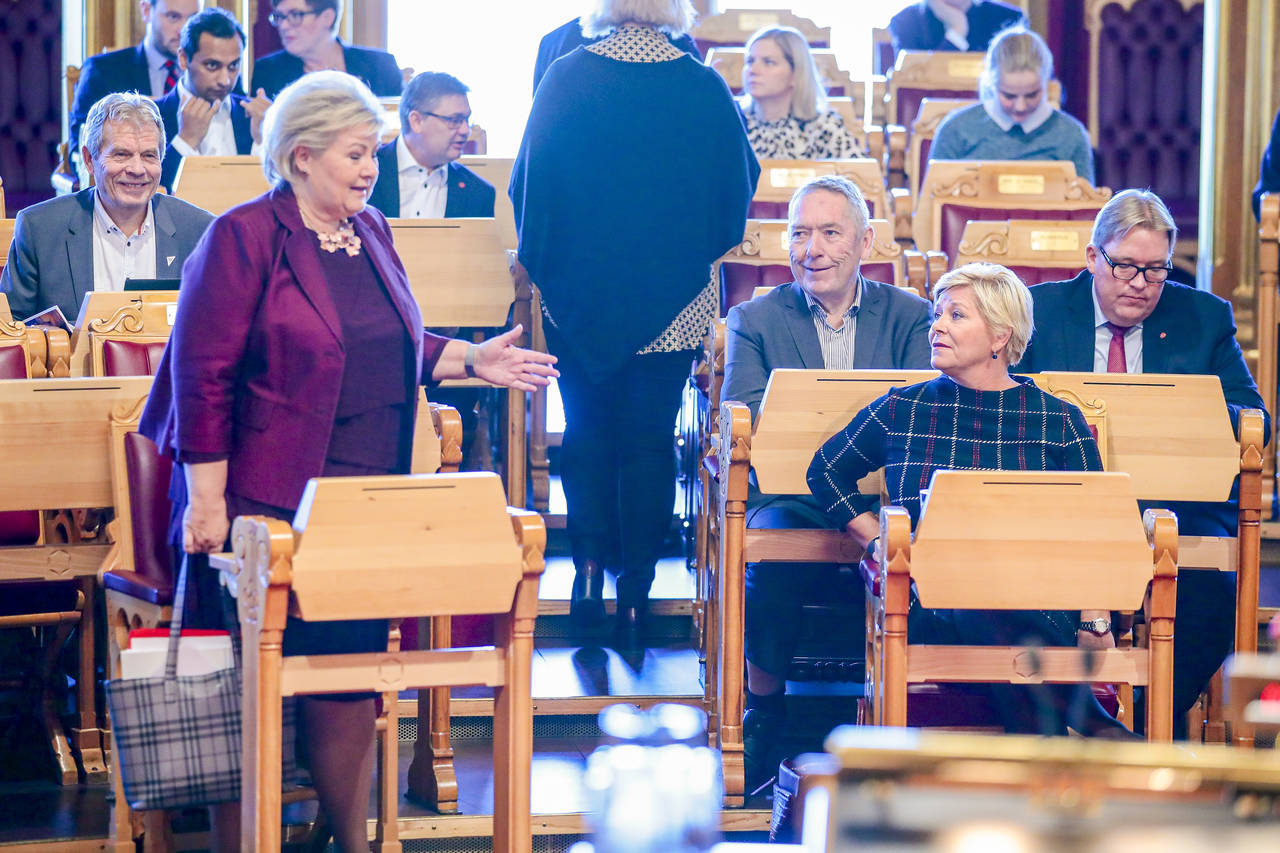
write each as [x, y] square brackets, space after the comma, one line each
[51, 259]
[776, 330]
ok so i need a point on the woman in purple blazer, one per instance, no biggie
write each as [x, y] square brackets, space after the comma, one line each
[296, 352]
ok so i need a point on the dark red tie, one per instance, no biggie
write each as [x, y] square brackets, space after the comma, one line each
[1116, 362]
[171, 76]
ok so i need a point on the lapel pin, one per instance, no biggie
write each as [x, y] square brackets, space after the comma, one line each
[169, 262]
[462, 185]
[1162, 335]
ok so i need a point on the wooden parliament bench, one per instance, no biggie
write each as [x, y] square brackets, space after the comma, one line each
[779, 179]
[218, 184]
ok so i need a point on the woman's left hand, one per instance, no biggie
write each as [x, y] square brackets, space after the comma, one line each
[1090, 640]
[501, 362]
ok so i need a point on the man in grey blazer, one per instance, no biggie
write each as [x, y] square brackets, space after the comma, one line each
[115, 230]
[829, 317]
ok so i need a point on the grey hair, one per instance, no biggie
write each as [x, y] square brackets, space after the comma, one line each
[1003, 301]
[424, 91]
[126, 108]
[1012, 50]
[808, 96]
[312, 112]
[839, 185]
[320, 7]
[1129, 209]
[671, 16]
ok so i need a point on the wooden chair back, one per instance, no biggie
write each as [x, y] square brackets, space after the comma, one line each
[1037, 250]
[920, 140]
[956, 191]
[762, 260]
[218, 184]
[378, 547]
[17, 361]
[919, 74]
[7, 227]
[728, 61]
[852, 110]
[779, 179]
[140, 316]
[141, 328]
[1267, 310]
[497, 171]
[735, 26]
[457, 270]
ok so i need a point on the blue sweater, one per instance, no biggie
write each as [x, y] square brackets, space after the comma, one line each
[971, 134]
[624, 195]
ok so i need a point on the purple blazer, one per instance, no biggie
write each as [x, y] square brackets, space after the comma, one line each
[254, 364]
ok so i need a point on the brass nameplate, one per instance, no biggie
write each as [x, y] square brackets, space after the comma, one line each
[791, 178]
[1055, 241]
[757, 20]
[170, 312]
[965, 67]
[1020, 184]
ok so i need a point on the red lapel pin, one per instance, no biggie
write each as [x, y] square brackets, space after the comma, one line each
[1162, 335]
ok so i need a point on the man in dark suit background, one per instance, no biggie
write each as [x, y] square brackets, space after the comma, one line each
[149, 68]
[952, 24]
[115, 230]
[203, 115]
[1122, 315]
[418, 176]
[829, 317]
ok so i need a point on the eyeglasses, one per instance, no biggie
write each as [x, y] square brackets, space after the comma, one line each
[295, 17]
[1128, 272]
[454, 122]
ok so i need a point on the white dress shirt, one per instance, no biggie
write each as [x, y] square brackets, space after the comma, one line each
[1102, 342]
[220, 140]
[155, 67]
[117, 256]
[423, 193]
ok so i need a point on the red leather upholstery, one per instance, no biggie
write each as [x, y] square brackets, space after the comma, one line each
[922, 165]
[739, 281]
[131, 358]
[908, 101]
[21, 527]
[149, 472]
[954, 217]
[879, 271]
[1032, 276]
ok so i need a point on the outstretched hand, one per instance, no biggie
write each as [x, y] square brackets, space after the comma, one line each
[501, 362]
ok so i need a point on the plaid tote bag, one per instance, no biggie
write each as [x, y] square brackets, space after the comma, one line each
[177, 737]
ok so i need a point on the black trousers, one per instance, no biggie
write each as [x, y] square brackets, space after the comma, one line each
[617, 461]
[777, 592]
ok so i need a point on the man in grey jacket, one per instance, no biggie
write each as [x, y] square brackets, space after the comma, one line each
[829, 317]
[115, 230]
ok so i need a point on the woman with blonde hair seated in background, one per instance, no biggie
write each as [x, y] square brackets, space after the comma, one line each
[297, 352]
[979, 417]
[785, 104]
[1014, 120]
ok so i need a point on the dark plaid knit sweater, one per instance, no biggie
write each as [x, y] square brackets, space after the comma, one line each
[912, 432]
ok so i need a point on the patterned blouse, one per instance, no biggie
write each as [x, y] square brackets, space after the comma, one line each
[635, 43]
[823, 137]
[912, 432]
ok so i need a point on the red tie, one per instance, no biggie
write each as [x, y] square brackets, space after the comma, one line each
[1116, 362]
[171, 78]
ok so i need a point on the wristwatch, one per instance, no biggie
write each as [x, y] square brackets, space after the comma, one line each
[1097, 627]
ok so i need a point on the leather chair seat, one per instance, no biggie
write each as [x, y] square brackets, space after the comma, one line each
[21, 527]
[908, 101]
[139, 586]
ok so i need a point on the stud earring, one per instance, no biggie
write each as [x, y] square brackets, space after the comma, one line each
[995, 355]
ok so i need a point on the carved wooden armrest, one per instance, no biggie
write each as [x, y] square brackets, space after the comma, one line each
[896, 136]
[448, 426]
[263, 549]
[58, 344]
[895, 549]
[874, 134]
[900, 200]
[917, 271]
[938, 264]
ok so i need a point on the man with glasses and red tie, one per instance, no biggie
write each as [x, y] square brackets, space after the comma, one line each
[1123, 315]
[150, 68]
[309, 32]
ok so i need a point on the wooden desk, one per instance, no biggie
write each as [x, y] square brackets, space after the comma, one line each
[55, 457]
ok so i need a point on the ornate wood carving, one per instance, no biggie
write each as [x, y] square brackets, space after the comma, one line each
[1078, 189]
[965, 186]
[127, 319]
[991, 244]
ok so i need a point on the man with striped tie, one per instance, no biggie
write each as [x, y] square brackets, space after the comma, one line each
[150, 68]
[1123, 315]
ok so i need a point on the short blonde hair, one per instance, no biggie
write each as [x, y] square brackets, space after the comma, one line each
[1012, 50]
[1130, 209]
[312, 112]
[671, 16]
[1003, 301]
[809, 96]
